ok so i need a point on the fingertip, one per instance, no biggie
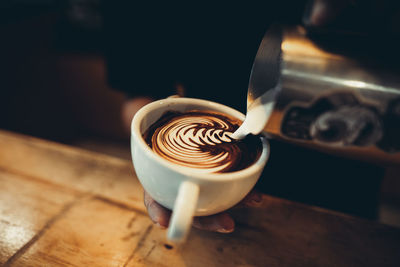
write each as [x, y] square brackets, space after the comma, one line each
[227, 223]
[324, 12]
[160, 226]
[157, 213]
[253, 199]
[318, 13]
[225, 231]
[221, 223]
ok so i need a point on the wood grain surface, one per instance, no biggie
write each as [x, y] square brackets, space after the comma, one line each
[62, 206]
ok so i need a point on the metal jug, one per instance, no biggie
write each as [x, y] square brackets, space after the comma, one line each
[335, 91]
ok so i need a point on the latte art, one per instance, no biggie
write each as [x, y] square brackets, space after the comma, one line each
[201, 140]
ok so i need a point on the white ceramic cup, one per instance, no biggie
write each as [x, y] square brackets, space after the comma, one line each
[187, 191]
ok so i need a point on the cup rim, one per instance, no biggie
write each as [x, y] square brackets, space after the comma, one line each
[187, 171]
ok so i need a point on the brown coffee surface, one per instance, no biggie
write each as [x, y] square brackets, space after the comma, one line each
[201, 140]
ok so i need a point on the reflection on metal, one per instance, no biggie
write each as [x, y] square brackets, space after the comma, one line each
[333, 92]
[334, 81]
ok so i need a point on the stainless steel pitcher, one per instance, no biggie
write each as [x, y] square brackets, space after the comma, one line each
[331, 90]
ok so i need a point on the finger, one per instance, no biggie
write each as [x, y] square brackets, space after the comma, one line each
[222, 223]
[253, 199]
[129, 109]
[325, 11]
[158, 214]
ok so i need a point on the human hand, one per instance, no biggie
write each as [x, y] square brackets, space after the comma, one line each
[129, 109]
[221, 222]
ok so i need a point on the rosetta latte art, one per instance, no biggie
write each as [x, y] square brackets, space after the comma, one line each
[201, 140]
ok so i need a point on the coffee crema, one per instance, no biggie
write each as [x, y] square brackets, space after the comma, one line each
[202, 140]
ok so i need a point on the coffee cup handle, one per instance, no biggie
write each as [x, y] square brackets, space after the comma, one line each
[183, 212]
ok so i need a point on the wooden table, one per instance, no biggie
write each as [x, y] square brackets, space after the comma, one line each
[62, 206]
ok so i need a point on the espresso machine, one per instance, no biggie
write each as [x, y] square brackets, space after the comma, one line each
[333, 91]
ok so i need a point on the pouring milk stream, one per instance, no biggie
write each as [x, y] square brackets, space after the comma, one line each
[257, 116]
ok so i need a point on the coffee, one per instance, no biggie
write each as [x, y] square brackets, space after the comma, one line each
[202, 140]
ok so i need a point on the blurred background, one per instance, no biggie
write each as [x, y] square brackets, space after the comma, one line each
[54, 82]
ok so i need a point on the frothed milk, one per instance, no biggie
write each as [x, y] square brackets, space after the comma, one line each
[202, 140]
